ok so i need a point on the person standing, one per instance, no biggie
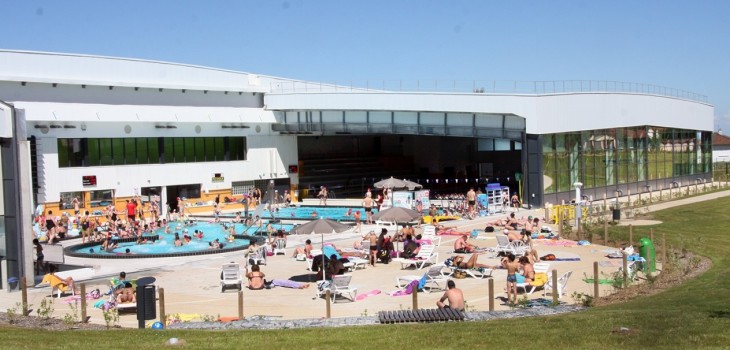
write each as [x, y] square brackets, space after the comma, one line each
[77, 204]
[131, 211]
[515, 201]
[471, 199]
[358, 224]
[322, 196]
[367, 203]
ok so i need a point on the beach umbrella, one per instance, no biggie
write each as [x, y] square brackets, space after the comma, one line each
[320, 226]
[397, 214]
[390, 183]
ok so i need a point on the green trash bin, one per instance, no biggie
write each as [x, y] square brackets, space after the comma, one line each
[647, 252]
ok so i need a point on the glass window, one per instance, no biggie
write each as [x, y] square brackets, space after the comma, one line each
[210, 149]
[105, 151]
[153, 150]
[141, 144]
[189, 191]
[93, 157]
[67, 199]
[130, 151]
[100, 198]
[63, 146]
[200, 149]
[234, 148]
[220, 149]
[179, 149]
[190, 149]
[118, 151]
[168, 150]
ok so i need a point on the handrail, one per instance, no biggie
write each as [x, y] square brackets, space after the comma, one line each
[485, 87]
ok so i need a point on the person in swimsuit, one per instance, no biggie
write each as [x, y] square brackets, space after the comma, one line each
[471, 198]
[367, 203]
[458, 262]
[527, 269]
[461, 246]
[373, 238]
[255, 278]
[512, 266]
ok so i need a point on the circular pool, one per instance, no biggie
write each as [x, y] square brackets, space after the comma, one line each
[160, 244]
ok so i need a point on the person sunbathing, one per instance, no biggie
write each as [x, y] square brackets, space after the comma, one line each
[255, 278]
[457, 261]
[125, 294]
[528, 270]
[303, 250]
[462, 246]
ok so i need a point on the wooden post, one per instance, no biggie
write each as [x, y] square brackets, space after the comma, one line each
[560, 223]
[240, 305]
[651, 194]
[24, 295]
[415, 298]
[605, 205]
[629, 197]
[163, 317]
[327, 296]
[605, 232]
[651, 235]
[626, 271]
[631, 235]
[595, 280]
[556, 292]
[491, 294]
[83, 302]
[664, 249]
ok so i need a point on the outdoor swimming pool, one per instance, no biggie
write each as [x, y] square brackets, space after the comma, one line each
[313, 212]
[162, 244]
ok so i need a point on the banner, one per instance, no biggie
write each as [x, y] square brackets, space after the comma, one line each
[403, 199]
[423, 197]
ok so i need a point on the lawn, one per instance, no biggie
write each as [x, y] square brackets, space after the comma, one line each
[693, 315]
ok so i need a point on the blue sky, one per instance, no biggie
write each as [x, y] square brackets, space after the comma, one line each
[679, 44]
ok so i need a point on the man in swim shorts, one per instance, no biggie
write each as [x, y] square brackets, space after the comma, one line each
[471, 198]
[512, 266]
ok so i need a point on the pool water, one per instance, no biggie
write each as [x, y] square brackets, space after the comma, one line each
[165, 245]
[310, 212]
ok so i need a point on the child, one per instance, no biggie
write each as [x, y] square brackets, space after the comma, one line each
[40, 267]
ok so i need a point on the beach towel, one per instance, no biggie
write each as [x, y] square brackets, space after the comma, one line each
[600, 281]
[452, 233]
[563, 243]
[328, 250]
[366, 295]
[410, 288]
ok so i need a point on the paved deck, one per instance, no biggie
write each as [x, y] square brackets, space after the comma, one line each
[192, 286]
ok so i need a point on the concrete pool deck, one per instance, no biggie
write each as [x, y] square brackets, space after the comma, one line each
[192, 285]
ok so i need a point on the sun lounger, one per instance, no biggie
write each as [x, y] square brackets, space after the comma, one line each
[542, 268]
[433, 276]
[231, 276]
[425, 256]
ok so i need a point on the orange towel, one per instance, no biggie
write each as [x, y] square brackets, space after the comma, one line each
[55, 282]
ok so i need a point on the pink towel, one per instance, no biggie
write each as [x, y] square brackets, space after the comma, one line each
[407, 291]
[368, 294]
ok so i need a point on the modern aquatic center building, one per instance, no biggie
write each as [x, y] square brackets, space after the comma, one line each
[104, 129]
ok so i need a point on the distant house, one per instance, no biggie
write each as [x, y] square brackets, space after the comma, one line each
[720, 147]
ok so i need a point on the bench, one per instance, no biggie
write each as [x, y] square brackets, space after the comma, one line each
[420, 315]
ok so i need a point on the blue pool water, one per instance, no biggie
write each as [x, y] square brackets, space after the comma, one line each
[165, 245]
[309, 213]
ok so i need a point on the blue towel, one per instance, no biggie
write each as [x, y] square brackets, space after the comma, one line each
[422, 282]
[328, 250]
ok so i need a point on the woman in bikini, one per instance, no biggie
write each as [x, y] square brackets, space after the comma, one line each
[458, 262]
[255, 278]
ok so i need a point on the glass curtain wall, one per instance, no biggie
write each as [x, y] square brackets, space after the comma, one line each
[609, 157]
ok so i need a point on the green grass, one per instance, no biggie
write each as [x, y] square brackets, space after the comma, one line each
[693, 315]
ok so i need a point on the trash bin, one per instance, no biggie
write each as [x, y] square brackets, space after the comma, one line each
[616, 214]
[12, 283]
[647, 252]
[146, 304]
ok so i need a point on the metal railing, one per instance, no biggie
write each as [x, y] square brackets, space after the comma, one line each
[485, 87]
